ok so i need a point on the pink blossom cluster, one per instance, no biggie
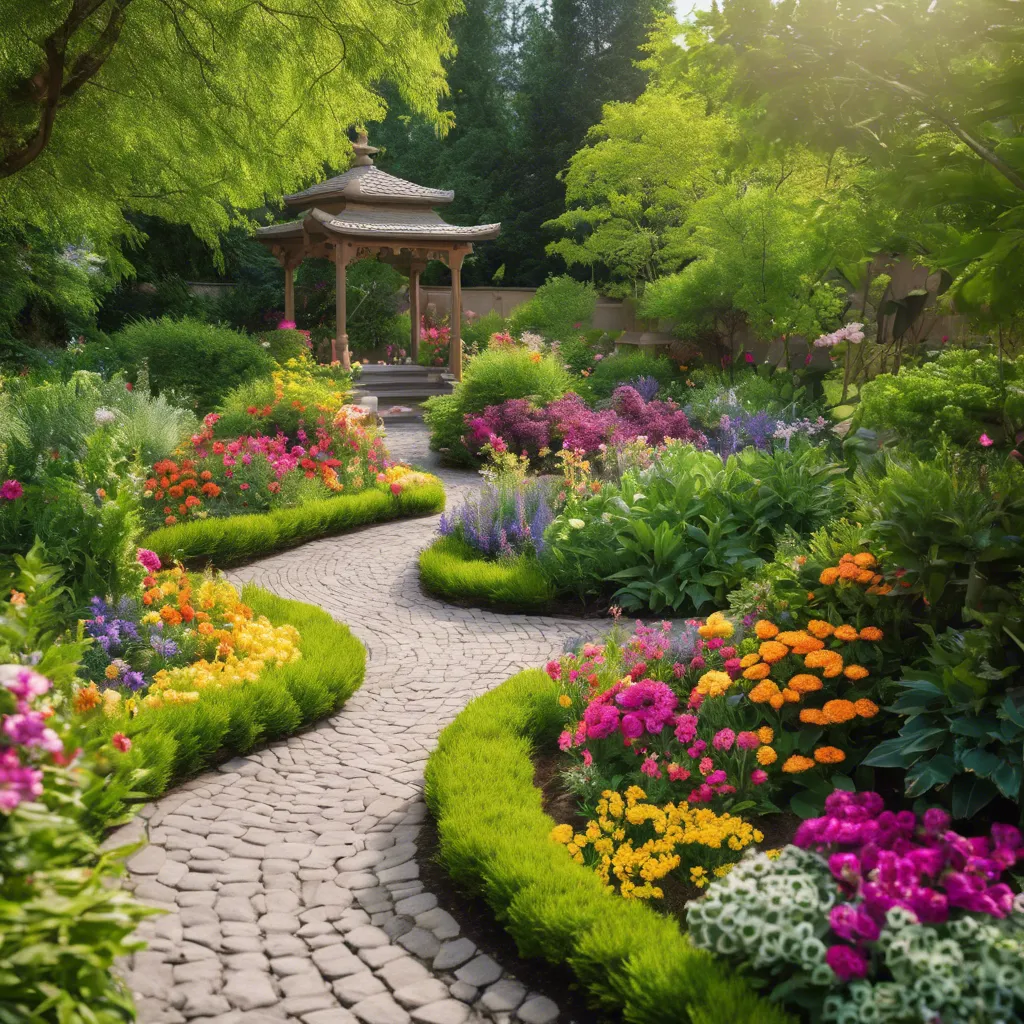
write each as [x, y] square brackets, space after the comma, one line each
[28, 736]
[894, 859]
[11, 490]
[853, 333]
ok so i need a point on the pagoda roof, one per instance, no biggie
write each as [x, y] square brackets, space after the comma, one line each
[369, 184]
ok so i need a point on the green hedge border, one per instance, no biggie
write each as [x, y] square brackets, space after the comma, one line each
[495, 840]
[453, 570]
[236, 539]
[173, 743]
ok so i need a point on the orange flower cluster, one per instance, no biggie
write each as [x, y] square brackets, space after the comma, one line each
[179, 483]
[861, 568]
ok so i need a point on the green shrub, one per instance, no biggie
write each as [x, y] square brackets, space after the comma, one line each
[452, 569]
[175, 741]
[284, 345]
[962, 395]
[495, 841]
[443, 415]
[476, 333]
[609, 373]
[188, 358]
[241, 538]
[561, 308]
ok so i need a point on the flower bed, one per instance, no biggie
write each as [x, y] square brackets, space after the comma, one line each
[495, 840]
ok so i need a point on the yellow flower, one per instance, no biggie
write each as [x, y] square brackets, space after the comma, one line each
[766, 755]
[749, 659]
[714, 684]
[565, 700]
[717, 625]
[797, 764]
[766, 734]
[562, 834]
[773, 854]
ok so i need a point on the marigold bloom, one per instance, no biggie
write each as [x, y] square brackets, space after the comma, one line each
[796, 764]
[766, 755]
[838, 711]
[765, 630]
[865, 576]
[749, 659]
[825, 659]
[846, 633]
[804, 682]
[790, 696]
[791, 636]
[855, 672]
[829, 576]
[848, 571]
[764, 691]
[565, 700]
[562, 834]
[829, 755]
[111, 672]
[714, 684]
[807, 644]
[87, 698]
[865, 560]
[777, 701]
[772, 651]
[759, 671]
[872, 633]
[813, 716]
[865, 708]
[766, 734]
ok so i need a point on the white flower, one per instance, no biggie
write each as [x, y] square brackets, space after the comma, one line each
[103, 416]
[577, 524]
[265, 344]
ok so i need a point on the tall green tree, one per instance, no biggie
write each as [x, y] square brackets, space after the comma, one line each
[191, 109]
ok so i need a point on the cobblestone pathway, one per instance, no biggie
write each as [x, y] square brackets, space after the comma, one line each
[290, 875]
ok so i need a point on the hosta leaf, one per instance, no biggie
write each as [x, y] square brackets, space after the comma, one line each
[936, 771]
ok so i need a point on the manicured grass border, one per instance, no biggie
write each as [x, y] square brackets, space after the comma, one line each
[494, 840]
[235, 539]
[453, 570]
[173, 743]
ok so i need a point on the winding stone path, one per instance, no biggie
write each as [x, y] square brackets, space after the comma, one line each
[289, 876]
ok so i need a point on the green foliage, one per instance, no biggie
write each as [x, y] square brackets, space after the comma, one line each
[955, 525]
[453, 569]
[560, 309]
[962, 395]
[188, 359]
[618, 369]
[476, 332]
[175, 741]
[679, 535]
[284, 345]
[241, 538]
[443, 415]
[964, 717]
[495, 841]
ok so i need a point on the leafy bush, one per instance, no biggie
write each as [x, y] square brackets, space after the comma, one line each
[477, 331]
[963, 395]
[453, 569]
[187, 358]
[241, 538]
[559, 310]
[609, 373]
[285, 345]
[495, 841]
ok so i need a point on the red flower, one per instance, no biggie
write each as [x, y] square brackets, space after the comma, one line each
[121, 742]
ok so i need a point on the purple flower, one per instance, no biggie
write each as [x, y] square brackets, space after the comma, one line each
[649, 703]
[23, 682]
[29, 729]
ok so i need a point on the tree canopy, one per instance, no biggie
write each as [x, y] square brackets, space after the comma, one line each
[190, 110]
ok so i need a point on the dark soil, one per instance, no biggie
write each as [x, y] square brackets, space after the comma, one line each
[778, 830]
[477, 921]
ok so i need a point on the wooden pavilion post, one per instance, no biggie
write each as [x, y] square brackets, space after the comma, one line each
[415, 269]
[340, 313]
[455, 336]
[289, 292]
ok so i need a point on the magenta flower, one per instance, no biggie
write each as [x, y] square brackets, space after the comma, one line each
[748, 741]
[565, 740]
[23, 682]
[553, 669]
[723, 739]
[758, 776]
[686, 728]
[716, 778]
[286, 325]
[846, 962]
[149, 560]
[18, 782]
[601, 720]
[647, 706]
[985, 441]
[11, 490]
[650, 767]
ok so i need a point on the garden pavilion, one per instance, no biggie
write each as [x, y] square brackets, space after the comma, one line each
[366, 212]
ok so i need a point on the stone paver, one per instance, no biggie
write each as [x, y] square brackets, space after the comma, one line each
[290, 875]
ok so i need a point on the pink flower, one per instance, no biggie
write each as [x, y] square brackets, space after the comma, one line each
[723, 739]
[11, 490]
[985, 441]
[650, 767]
[732, 666]
[24, 683]
[565, 740]
[807, 359]
[697, 749]
[716, 778]
[677, 773]
[121, 742]
[396, 489]
[149, 560]
[701, 795]
[750, 357]
[686, 728]
[286, 325]
[18, 782]
[846, 962]
[706, 766]
[588, 758]
[748, 741]
[243, 487]
[553, 669]
[758, 776]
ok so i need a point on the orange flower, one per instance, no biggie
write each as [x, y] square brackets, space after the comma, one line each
[808, 644]
[170, 615]
[827, 660]
[766, 734]
[820, 628]
[829, 755]
[813, 716]
[855, 672]
[87, 698]
[803, 682]
[790, 696]
[865, 560]
[829, 576]
[846, 633]
[846, 558]
[848, 571]
[758, 671]
[776, 702]
[872, 633]
[881, 591]
[765, 630]
[766, 755]
[211, 490]
[865, 708]
[796, 764]
[764, 691]
[865, 576]
[176, 491]
[772, 651]
[749, 659]
[838, 711]
[205, 628]
[792, 636]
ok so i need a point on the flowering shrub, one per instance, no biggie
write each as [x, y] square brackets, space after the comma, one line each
[435, 341]
[502, 519]
[879, 916]
[254, 473]
[638, 843]
[183, 634]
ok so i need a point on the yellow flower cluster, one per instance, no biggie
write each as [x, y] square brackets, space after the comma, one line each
[714, 684]
[860, 568]
[716, 624]
[637, 867]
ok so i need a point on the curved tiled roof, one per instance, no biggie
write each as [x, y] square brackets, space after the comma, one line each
[369, 184]
[427, 226]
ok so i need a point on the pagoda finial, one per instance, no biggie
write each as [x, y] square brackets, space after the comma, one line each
[363, 150]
